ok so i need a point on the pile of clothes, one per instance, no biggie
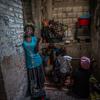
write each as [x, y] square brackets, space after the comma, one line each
[52, 32]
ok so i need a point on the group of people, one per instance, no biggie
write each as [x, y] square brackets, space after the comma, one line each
[35, 69]
[79, 77]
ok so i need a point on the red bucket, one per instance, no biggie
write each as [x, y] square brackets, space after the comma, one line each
[84, 21]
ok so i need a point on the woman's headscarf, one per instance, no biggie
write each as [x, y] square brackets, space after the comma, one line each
[85, 62]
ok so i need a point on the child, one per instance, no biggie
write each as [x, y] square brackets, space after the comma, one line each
[61, 67]
[33, 64]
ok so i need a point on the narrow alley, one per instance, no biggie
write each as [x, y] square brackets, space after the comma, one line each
[43, 45]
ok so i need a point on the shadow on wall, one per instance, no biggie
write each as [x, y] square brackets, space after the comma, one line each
[2, 89]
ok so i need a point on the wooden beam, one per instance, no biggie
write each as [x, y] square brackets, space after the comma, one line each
[64, 4]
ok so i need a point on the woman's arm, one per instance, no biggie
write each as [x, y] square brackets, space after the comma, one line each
[37, 48]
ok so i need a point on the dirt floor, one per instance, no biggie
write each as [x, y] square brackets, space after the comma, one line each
[60, 95]
[54, 93]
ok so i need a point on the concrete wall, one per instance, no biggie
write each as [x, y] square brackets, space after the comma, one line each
[95, 36]
[36, 14]
[27, 10]
[11, 57]
[32, 13]
[77, 50]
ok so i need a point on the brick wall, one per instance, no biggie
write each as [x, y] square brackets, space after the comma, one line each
[11, 57]
[68, 11]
